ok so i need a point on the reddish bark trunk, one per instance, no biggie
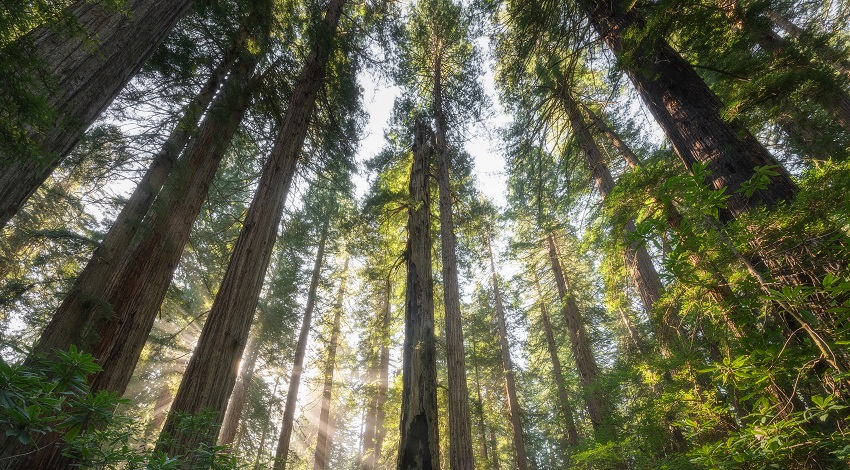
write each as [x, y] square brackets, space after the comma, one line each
[211, 374]
[460, 429]
[508, 366]
[563, 399]
[68, 324]
[282, 451]
[78, 76]
[588, 370]
[324, 441]
[230, 422]
[688, 111]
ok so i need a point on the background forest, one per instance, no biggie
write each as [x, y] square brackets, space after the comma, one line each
[216, 254]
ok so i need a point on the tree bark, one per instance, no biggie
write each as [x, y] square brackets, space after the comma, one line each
[78, 77]
[688, 111]
[378, 378]
[419, 435]
[69, 323]
[638, 262]
[508, 366]
[211, 374]
[479, 408]
[282, 452]
[230, 422]
[325, 440]
[563, 399]
[588, 370]
[460, 428]
[118, 328]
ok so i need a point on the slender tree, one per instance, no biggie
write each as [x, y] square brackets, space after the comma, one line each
[507, 364]
[282, 452]
[321, 458]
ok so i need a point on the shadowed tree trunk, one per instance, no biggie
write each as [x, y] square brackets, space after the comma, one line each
[230, 423]
[508, 366]
[419, 439]
[588, 371]
[563, 400]
[68, 324]
[460, 429]
[282, 451]
[324, 441]
[118, 328]
[78, 76]
[688, 111]
[212, 370]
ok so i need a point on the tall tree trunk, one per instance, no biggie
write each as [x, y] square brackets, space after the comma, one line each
[638, 262]
[230, 422]
[508, 366]
[71, 319]
[688, 111]
[588, 371]
[479, 408]
[419, 435]
[261, 447]
[563, 399]
[378, 378]
[383, 379]
[212, 370]
[282, 452]
[325, 440]
[117, 329]
[78, 76]
[460, 428]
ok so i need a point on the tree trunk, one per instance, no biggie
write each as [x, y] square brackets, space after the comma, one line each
[557, 372]
[479, 408]
[378, 378]
[230, 422]
[118, 328]
[507, 364]
[825, 53]
[688, 111]
[460, 428]
[383, 378]
[212, 370]
[325, 440]
[638, 262]
[68, 324]
[79, 74]
[282, 452]
[419, 434]
[588, 371]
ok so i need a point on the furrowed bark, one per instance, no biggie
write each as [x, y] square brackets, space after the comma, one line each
[688, 111]
[419, 435]
[211, 373]
[230, 422]
[282, 451]
[324, 443]
[460, 428]
[78, 77]
[118, 328]
[69, 324]
[508, 366]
